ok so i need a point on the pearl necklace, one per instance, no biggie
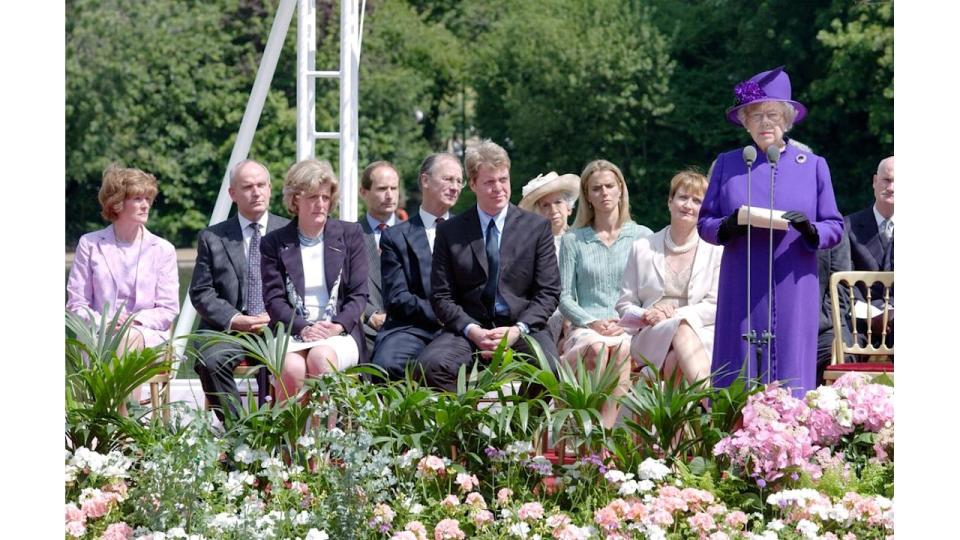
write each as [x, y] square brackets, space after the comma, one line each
[674, 248]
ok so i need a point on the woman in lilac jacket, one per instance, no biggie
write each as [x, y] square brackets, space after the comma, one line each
[125, 268]
[803, 189]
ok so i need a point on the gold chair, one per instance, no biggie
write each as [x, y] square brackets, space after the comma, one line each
[881, 355]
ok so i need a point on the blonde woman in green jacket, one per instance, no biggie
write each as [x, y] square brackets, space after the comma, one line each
[593, 256]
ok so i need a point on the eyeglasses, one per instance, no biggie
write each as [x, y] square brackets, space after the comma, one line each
[452, 180]
[773, 116]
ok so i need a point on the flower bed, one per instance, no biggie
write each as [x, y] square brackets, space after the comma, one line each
[821, 467]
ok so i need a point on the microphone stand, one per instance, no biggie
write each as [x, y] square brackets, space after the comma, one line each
[750, 336]
[766, 339]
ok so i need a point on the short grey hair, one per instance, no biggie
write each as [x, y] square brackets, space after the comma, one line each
[235, 171]
[788, 110]
[883, 164]
[430, 163]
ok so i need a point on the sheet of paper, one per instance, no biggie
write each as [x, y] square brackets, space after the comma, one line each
[863, 310]
[760, 217]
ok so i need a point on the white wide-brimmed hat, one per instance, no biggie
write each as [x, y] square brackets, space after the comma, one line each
[544, 184]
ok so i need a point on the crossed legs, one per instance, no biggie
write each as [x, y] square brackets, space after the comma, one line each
[687, 353]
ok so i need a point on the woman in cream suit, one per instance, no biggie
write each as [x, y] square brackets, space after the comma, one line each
[668, 297]
[125, 267]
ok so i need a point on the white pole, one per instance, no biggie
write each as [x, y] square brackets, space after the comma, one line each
[241, 147]
[306, 85]
[349, 134]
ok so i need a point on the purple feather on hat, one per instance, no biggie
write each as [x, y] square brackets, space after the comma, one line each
[748, 91]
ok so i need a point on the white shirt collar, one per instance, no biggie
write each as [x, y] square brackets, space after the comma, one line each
[430, 220]
[245, 223]
[374, 222]
[879, 217]
[485, 218]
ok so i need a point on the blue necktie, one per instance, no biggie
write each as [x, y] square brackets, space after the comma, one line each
[489, 296]
[254, 284]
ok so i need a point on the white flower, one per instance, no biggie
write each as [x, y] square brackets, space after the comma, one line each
[314, 534]
[223, 521]
[775, 525]
[653, 469]
[243, 454]
[645, 485]
[177, 532]
[807, 528]
[519, 529]
[306, 441]
[629, 487]
[233, 487]
[615, 476]
[655, 533]
[70, 474]
[302, 518]
[519, 447]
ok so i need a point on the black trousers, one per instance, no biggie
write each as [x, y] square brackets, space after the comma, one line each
[440, 361]
[215, 367]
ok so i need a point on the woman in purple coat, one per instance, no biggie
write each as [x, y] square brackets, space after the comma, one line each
[802, 189]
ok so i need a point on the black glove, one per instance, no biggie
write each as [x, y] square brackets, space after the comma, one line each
[730, 229]
[803, 226]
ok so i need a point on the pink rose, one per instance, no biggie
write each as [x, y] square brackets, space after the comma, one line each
[735, 519]
[531, 511]
[72, 513]
[417, 529]
[503, 496]
[482, 518]
[76, 528]
[702, 522]
[467, 482]
[476, 500]
[448, 529]
[118, 531]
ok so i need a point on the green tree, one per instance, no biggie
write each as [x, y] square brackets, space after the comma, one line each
[563, 83]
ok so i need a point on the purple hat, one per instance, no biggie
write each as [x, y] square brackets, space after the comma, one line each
[773, 85]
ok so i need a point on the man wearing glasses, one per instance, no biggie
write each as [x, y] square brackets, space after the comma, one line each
[405, 265]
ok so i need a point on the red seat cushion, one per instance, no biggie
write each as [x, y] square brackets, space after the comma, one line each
[882, 367]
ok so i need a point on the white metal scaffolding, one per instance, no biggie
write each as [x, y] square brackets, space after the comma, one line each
[351, 24]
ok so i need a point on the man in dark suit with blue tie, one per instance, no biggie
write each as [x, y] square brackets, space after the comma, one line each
[494, 274]
[871, 234]
[405, 263]
[226, 288]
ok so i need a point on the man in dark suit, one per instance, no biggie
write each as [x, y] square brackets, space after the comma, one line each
[226, 288]
[379, 189]
[494, 274]
[406, 260]
[835, 259]
[871, 235]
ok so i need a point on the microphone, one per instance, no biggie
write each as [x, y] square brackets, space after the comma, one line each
[749, 155]
[773, 154]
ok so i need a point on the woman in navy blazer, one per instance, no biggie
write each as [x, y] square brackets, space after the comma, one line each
[125, 267]
[315, 279]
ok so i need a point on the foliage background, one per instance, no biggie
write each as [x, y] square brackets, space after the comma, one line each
[161, 85]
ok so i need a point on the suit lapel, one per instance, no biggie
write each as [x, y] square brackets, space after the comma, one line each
[333, 252]
[292, 260]
[510, 236]
[659, 255]
[146, 266]
[233, 245]
[475, 238]
[107, 244]
[867, 226]
[417, 239]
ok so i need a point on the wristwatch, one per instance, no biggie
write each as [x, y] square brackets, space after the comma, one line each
[522, 326]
